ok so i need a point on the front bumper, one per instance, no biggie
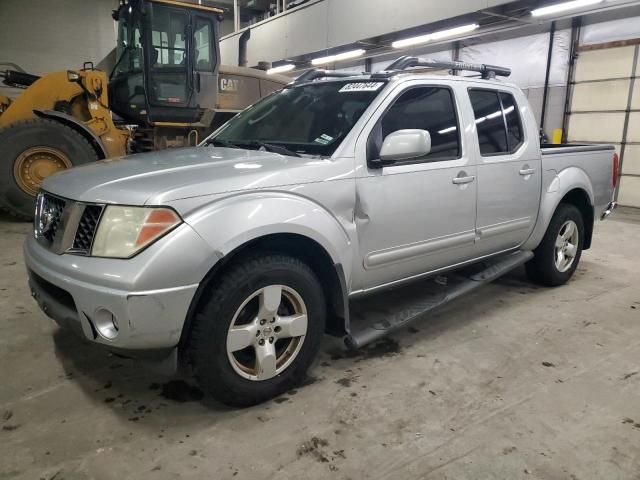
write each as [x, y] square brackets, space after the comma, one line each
[148, 295]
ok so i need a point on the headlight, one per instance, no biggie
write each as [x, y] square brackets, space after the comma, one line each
[124, 231]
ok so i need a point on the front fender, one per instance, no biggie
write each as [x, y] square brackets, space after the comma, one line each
[231, 222]
[558, 185]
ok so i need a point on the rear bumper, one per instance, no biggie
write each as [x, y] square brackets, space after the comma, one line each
[608, 210]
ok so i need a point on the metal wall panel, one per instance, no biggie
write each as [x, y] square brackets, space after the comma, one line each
[596, 127]
[629, 191]
[633, 134]
[610, 95]
[608, 89]
[606, 63]
[631, 165]
[635, 102]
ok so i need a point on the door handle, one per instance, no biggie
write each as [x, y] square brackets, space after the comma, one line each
[462, 180]
[527, 171]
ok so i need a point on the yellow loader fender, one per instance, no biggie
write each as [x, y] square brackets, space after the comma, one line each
[61, 120]
[81, 127]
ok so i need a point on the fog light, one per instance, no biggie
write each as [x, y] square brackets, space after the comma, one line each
[106, 323]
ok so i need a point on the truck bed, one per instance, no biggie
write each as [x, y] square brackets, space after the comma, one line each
[591, 167]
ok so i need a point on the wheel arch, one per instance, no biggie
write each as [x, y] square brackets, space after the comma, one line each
[579, 198]
[572, 186]
[331, 276]
[77, 126]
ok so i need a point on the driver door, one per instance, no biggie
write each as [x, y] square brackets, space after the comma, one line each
[417, 215]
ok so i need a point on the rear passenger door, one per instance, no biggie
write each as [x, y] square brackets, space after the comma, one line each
[417, 215]
[509, 171]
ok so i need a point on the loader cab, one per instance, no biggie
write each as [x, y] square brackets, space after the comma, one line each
[166, 61]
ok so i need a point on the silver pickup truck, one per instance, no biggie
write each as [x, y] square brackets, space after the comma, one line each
[235, 257]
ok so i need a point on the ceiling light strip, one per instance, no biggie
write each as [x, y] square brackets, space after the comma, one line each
[281, 68]
[452, 32]
[563, 7]
[338, 57]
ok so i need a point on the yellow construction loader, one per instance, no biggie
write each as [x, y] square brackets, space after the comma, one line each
[167, 89]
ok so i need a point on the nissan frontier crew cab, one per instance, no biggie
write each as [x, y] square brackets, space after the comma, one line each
[236, 256]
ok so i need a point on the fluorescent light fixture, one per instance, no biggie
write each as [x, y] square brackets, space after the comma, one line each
[338, 57]
[281, 68]
[452, 32]
[563, 7]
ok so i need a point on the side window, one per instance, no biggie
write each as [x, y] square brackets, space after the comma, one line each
[489, 121]
[425, 108]
[497, 122]
[204, 46]
[514, 124]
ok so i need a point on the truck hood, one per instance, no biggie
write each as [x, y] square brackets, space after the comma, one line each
[159, 177]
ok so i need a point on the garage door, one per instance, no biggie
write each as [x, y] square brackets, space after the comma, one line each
[605, 108]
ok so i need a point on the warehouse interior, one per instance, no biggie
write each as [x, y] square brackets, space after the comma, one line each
[514, 380]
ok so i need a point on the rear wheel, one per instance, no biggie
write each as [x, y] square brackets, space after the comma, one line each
[557, 256]
[32, 150]
[258, 330]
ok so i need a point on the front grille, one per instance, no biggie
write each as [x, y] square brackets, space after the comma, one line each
[87, 228]
[50, 217]
[55, 217]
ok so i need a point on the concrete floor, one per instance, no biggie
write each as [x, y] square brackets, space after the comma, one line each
[512, 382]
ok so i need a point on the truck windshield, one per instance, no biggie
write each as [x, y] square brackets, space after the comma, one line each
[309, 119]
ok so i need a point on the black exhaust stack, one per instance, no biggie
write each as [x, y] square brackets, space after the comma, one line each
[242, 48]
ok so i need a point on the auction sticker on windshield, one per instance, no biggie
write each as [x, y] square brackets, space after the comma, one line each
[361, 87]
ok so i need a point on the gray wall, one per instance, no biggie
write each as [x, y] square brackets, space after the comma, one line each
[47, 35]
[326, 24]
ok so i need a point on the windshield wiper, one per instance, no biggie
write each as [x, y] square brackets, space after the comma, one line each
[270, 147]
[222, 143]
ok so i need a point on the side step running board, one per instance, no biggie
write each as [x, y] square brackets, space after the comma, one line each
[377, 316]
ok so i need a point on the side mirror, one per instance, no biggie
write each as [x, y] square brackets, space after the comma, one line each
[405, 145]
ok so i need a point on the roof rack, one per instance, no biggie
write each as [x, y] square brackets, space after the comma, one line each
[406, 62]
[315, 73]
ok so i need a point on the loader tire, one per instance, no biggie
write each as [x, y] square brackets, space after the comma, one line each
[30, 151]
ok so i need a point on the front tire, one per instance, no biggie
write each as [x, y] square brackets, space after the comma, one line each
[259, 329]
[558, 255]
[30, 151]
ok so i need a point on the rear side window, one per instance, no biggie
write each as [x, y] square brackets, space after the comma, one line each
[514, 125]
[497, 120]
[424, 108]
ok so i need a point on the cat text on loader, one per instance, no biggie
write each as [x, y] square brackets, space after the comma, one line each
[167, 89]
